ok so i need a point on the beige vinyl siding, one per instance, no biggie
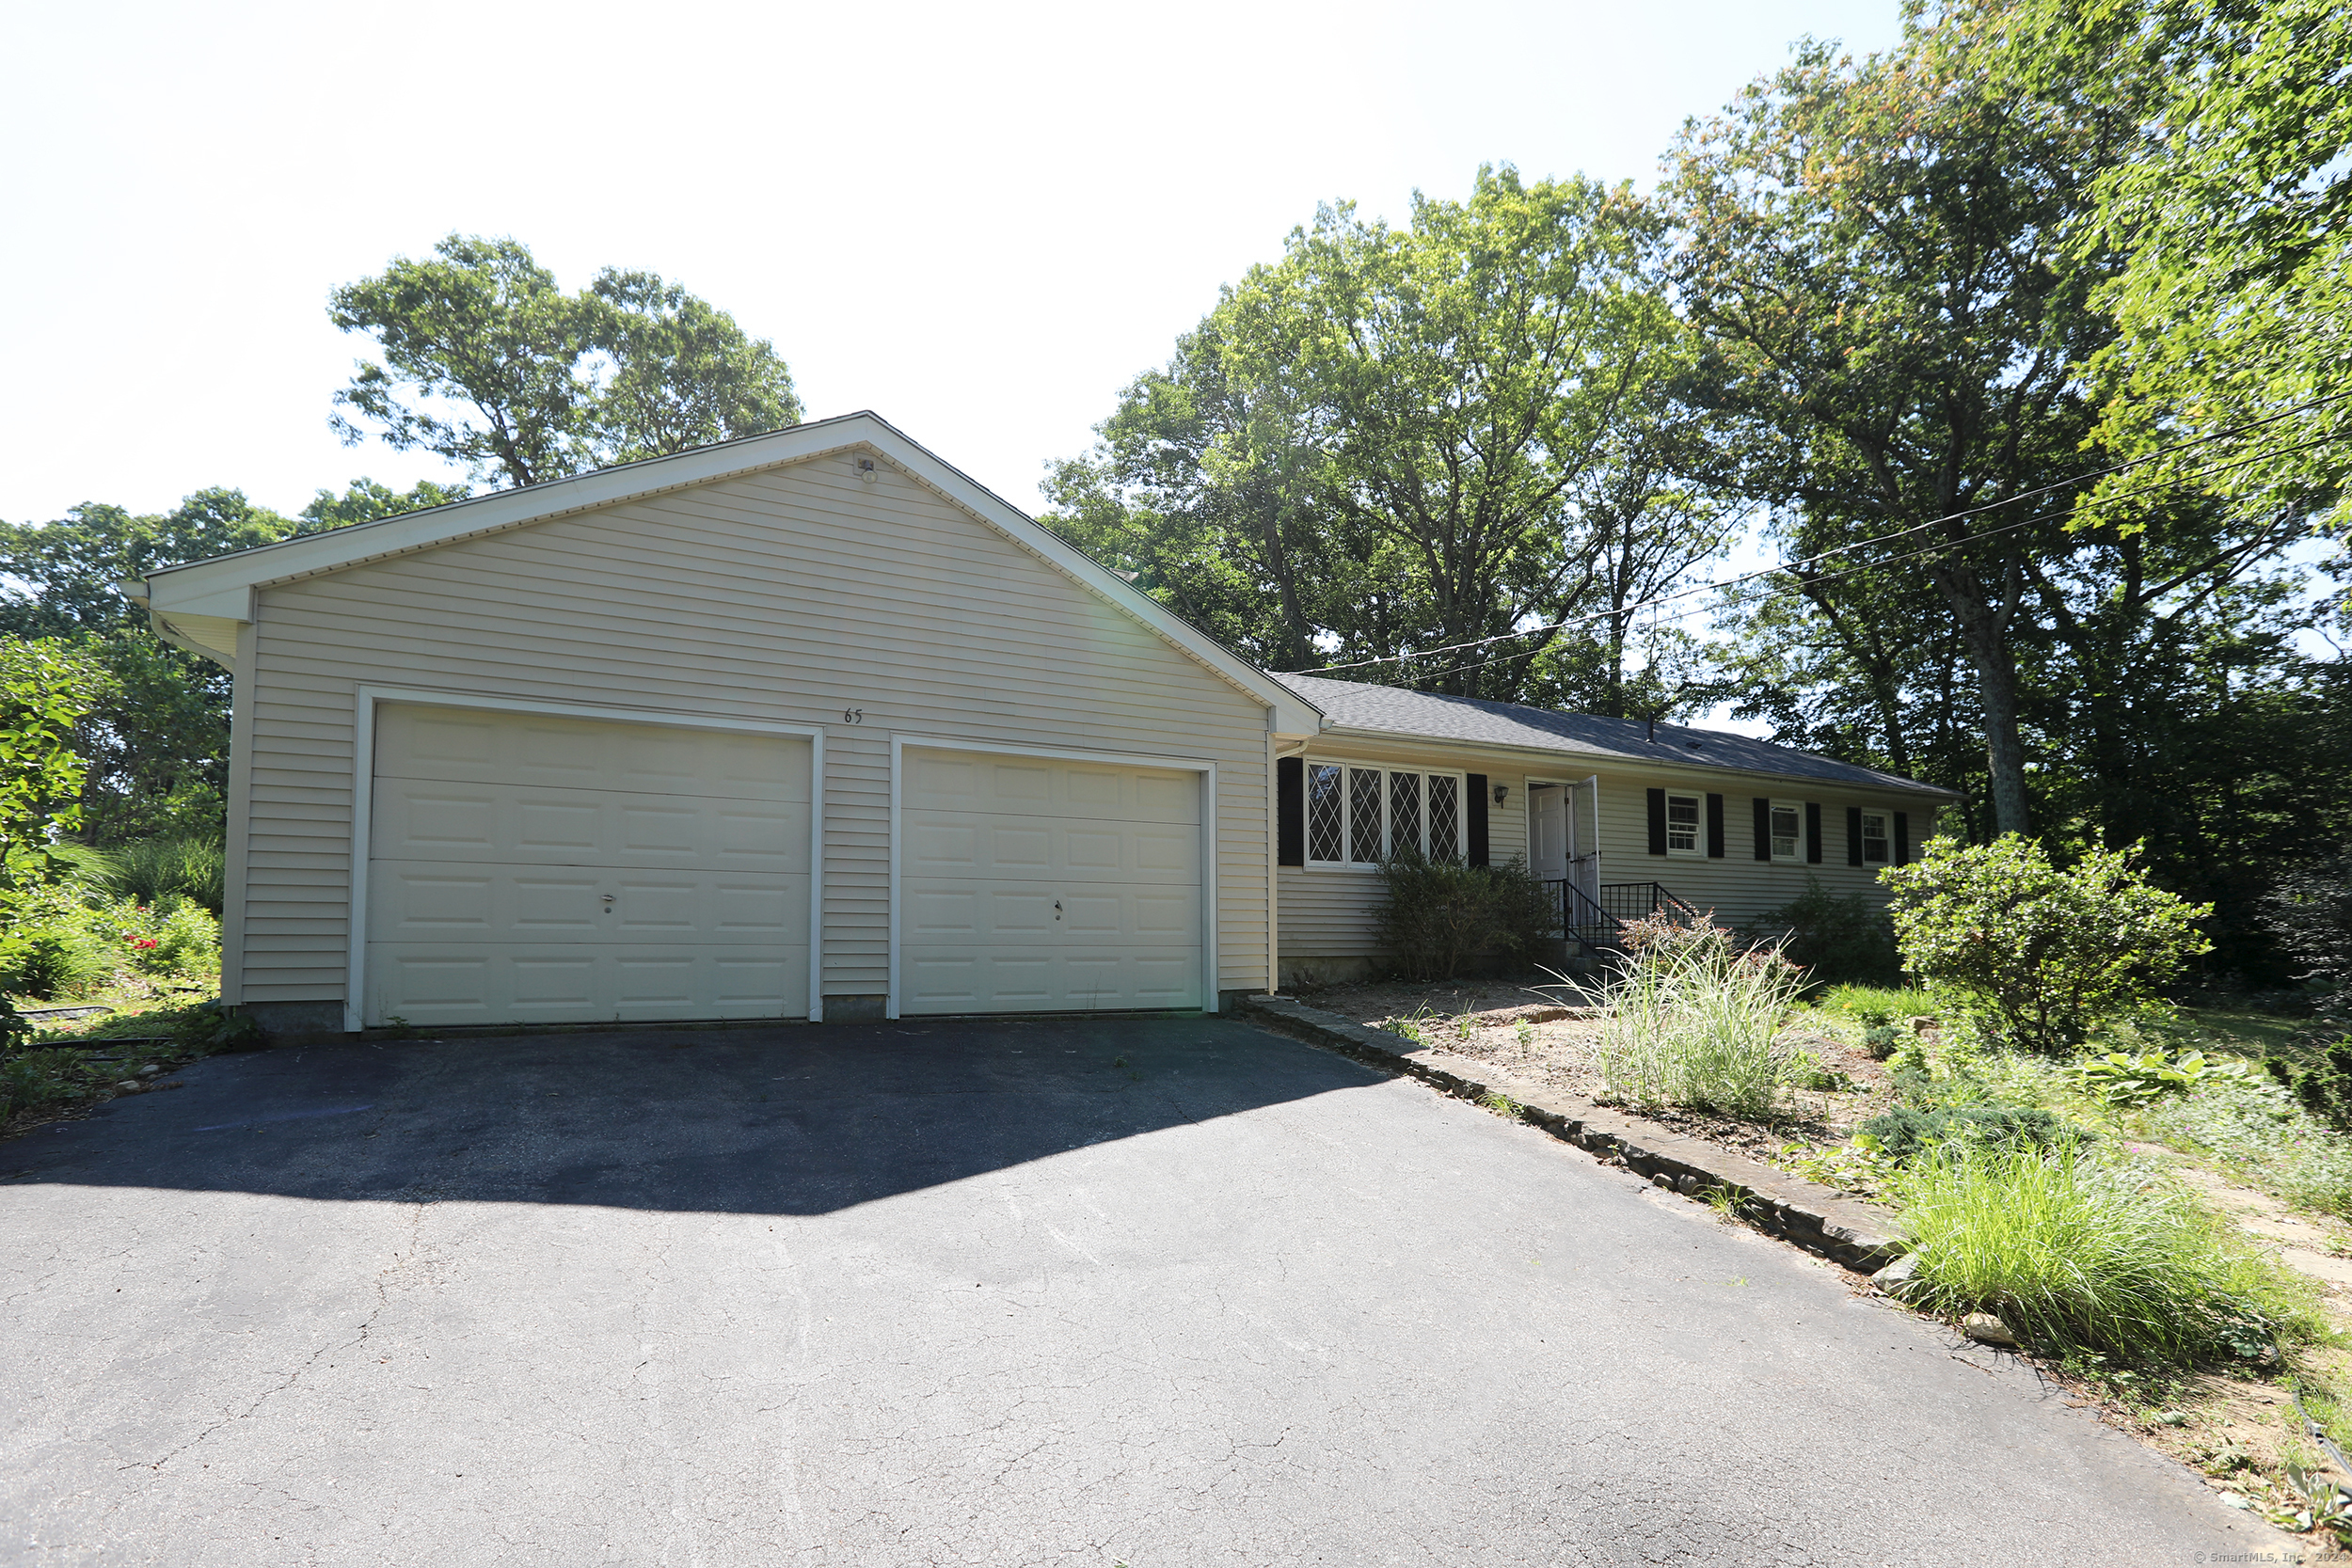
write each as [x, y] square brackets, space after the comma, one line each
[786, 597]
[1328, 914]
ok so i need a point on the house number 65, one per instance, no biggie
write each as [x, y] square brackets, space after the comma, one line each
[853, 716]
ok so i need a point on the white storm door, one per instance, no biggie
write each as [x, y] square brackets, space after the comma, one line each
[1028, 884]
[538, 869]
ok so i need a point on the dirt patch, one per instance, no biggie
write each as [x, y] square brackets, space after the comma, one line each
[1549, 1034]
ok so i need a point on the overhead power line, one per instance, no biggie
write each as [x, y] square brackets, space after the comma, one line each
[1902, 533]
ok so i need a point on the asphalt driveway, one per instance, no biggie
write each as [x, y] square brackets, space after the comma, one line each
[1156, 1293]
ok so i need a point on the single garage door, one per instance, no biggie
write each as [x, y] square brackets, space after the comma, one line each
[526, 868]
[1035, 885]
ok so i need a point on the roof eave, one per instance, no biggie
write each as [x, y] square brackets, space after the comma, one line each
[1617, 759]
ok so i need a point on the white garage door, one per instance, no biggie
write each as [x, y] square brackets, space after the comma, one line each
[1033, 885]
[525, 868]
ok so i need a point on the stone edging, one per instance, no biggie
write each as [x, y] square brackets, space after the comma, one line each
[1856, 1234]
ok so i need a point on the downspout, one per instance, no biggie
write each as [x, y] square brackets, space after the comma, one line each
[1273, 755]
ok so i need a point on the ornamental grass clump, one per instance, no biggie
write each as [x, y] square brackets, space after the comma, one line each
[1695, 1023]
[2075, 1253]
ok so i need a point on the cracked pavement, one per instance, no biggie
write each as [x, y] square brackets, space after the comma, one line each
[1149, 1291]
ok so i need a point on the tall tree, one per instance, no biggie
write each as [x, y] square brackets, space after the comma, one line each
[2234, 213]
[1876, 253]
[488, 363]
[153, 727]
[1387, 442]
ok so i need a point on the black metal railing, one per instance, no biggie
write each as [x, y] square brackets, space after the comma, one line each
[1598, 924]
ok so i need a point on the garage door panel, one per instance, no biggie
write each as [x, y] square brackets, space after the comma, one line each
[574, 827]
[429, 984]
[1068, 792]
[551, 870]
[418, 741]
[1028, 884]
[436, 900]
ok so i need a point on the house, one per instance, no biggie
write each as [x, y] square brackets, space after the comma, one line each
[811, 725]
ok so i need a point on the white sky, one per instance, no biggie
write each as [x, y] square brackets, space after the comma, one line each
[978, 221]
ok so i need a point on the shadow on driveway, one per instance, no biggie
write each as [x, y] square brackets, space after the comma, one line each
[799, 1119]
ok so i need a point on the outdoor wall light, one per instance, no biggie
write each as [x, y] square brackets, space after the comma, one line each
[1502, 793]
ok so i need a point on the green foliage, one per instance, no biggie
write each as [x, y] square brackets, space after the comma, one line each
[1398, 438]
[34, 1080]
[2232, 211]
[2263, 1137]
[367, 501]
[1696, 1021]
[490, 365]
[2323, 1088]
[1436, 915]
[1835, 940]
[1904, 1132]
[2310, 911]
[2036, 954]
[1869, 1005]
[2078, 1255]
[155, 869]
[72, 941]
[42, 695]
[2128, 1077]
[1880, 1040]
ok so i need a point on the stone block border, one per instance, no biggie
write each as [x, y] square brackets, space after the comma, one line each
[1848, 1230]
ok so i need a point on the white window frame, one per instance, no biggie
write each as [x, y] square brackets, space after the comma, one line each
[1698, 831]
[1387, 797]
[1773, 810]
[1886, 835]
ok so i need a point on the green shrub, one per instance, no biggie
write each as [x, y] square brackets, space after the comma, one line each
[2127, 1078]
[1694, 1021]
[1905, 1130]
[1439, 915]
[153, 870]
[34, 1080]
[1868, 1005]
[49, 963]
[2323, 1088]
[1880, 1040]
[2076, 1255]
[1835, 940]
[2039, 955]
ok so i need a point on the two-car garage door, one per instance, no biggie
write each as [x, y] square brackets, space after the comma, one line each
[533, 868]
[530, 867]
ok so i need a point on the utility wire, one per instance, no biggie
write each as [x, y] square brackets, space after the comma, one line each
[1842, 571]
[1906, 532]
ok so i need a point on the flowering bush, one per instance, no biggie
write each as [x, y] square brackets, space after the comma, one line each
[68, 941]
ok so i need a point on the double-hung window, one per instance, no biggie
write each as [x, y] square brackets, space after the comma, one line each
[1875, 838]
[1788, 830]
[1684, 813]
[1359, 815]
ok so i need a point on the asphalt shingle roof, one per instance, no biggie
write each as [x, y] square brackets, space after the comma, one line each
[1429, 716]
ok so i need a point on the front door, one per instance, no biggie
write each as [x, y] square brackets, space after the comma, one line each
[1547, 848]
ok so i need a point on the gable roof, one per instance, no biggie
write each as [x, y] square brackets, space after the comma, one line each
[201, 603]
[1355, 707]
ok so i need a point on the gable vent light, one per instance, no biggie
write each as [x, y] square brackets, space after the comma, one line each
[866, 470]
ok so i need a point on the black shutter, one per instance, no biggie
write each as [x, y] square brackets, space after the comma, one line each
[1290, 811]
[1903, 838]
[1813, 832]
[1763, 829]
[1476, 784]
[1714, 827]
[1854, 835]
[1657, 821]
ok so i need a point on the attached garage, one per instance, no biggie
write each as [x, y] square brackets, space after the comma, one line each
[1045, 883]
[542, 867]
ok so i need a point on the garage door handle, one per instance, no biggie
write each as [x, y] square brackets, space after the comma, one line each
[1056, 909]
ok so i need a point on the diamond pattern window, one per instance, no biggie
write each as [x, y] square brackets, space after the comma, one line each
[1365, 834]
[1326, 813]
[1404, 813]
[1445, 816]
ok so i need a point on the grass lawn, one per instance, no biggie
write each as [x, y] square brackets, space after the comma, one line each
[2249, 1033]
